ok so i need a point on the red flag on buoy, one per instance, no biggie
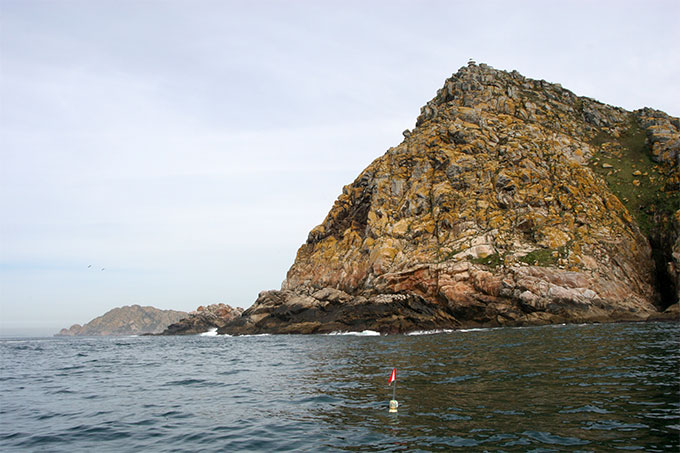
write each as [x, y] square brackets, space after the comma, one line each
[393, 376]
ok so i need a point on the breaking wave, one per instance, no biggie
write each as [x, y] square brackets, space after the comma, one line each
[363, 333]
[430, 332]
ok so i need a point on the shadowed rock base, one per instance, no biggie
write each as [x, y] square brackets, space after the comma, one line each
[331, 310]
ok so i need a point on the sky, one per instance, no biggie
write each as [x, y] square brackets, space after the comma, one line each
[177, 153]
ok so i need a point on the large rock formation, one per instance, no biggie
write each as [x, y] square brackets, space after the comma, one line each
[127, 320]
[512, 202]
[204, 319]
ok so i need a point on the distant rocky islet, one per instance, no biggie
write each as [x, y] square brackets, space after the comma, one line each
[137, 320]
[126, 320]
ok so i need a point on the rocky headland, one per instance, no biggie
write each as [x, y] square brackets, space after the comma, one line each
[127, 320]
[204, 319]
[512, 202]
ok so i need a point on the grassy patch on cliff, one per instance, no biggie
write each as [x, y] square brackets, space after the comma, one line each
[493, 261]
[541, 257]
[626, 166]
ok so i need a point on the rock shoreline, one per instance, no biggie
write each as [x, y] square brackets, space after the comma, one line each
[203, 319]
[328, 311]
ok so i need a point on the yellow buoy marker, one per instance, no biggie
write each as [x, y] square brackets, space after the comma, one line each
[394, 404]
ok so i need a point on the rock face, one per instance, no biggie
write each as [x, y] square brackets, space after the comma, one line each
[512, 202]
[204, 319]
[674, 262]
[127, 320]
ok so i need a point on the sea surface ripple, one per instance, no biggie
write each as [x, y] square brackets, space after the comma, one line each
[555, 388]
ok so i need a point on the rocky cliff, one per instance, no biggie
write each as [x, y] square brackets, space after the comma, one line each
[127, 320]
[204, 319]
[513, 201]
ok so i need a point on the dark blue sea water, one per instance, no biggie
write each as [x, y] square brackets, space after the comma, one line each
[564, 388]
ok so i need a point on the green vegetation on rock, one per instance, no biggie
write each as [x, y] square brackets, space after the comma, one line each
[626, 165]
[541, 257]
[492, 261]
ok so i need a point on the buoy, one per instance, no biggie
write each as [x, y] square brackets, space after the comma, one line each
[394, 404]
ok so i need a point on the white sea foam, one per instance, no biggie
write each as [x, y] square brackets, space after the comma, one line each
[211, 333]
[429, 332]
[365, 333]
[479, 329]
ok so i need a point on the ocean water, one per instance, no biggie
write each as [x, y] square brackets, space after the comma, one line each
[555, 388]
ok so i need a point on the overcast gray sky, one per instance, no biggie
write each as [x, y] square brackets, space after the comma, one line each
[188, 147]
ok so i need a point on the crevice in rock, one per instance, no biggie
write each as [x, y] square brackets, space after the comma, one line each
[663, 281]
[355, 214]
